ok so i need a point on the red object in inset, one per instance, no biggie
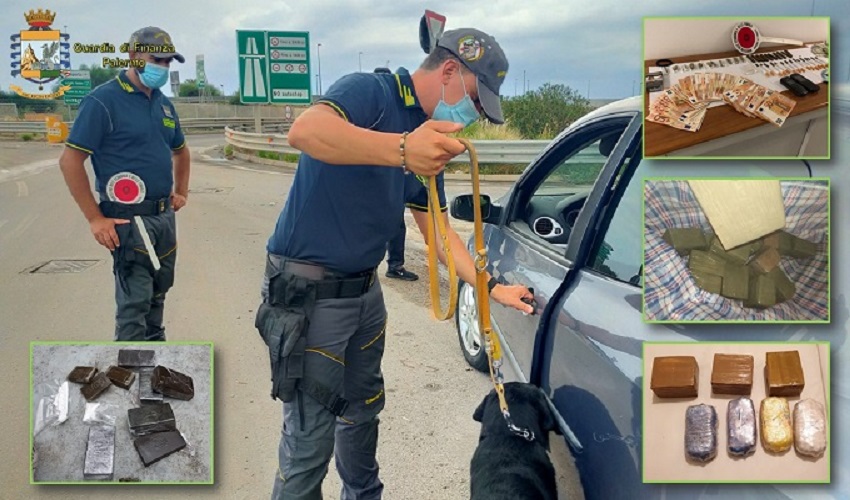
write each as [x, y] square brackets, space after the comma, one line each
[746, 37]
[126, 190]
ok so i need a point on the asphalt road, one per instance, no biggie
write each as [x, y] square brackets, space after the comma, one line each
[427, 432]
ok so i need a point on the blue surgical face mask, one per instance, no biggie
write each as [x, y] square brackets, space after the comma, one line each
[463, 111]
[153, 76]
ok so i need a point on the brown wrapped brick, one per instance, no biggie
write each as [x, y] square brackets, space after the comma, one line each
[784, 374]
[706, 263]
[675, 377]
[732, 374]
[708, 282]
[736, 281]
[785, 288]
[121, 377]
[766, 261]
[82, 374]
[685, 239]
[762, 292]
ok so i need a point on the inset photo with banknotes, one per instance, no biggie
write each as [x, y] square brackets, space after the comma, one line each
[736, 250]
[122, 412]
[736, 412]
[736, 87]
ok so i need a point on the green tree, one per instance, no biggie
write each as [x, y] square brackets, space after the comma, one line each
[189, 88]
[543, 113]
[100, 75]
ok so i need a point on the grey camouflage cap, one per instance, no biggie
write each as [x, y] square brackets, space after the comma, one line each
[154, 41]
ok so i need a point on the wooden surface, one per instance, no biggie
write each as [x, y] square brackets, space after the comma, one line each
[719, 121]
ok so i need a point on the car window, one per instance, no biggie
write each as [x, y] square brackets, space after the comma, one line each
[618, 250]
[554, 205]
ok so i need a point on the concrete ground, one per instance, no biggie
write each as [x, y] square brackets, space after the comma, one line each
[61, 448]
[427, 436]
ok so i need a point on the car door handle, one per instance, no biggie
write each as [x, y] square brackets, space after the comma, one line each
[531, 302]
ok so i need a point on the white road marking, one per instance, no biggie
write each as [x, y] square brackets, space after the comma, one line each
[23, 190]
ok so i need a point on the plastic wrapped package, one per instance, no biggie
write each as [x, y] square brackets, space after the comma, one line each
[809, 428]
[101, 414]
[701, 433]
[100, 453]
[741, 427]
[52, 405]
[776, 433]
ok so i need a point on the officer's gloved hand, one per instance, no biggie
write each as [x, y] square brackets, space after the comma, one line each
[427, 149]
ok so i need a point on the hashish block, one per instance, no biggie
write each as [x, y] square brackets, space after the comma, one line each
[809, 428]
[701, 433]
[154, 447]
[151, 418]
[736, 281]
[792, 246]
[674, 377]
[732, 374]
[135, 358]
[706, 263]
[738, 255]
[776, 434]
[766, 261]
[771, 241]
[100, 453]
[741, 427]
[785, 288]
[784, 374]
[683, 240]
[82, 374]
[762, 292]
[146, 393]
[121, 377]
[708, 282]
[99, 383]
[172, 383]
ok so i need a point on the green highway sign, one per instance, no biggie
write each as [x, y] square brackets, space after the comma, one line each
[289, 67]
[80, 83]
[274, 66]
[253, 67]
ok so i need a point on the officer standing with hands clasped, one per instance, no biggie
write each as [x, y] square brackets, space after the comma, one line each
[141, 164]
[323, 315]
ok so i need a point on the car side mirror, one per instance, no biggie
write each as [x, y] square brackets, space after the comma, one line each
[463, 208]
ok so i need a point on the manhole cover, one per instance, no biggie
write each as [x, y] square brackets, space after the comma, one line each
[212, 190]
[63, 266]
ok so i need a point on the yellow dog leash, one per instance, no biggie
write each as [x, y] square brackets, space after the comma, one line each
[436, 223]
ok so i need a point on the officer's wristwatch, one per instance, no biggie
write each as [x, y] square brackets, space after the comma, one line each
[491, 284]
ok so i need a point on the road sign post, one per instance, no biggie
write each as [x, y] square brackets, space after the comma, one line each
[253, 67]
[289, 67]
[274, 67]
[80, 83]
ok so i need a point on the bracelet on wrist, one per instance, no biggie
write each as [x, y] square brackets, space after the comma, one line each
[402, 150]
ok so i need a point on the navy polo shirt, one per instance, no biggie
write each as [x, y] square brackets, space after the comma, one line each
[125, 131]
[416, 192]
[341, 216]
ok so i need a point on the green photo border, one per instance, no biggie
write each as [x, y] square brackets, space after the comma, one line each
[735, 18]
[828, 319]
[120, 345]
[828, 382]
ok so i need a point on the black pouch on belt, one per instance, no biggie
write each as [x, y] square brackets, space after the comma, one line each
[282, 323]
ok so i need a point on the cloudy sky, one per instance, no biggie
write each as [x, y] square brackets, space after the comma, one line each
[589, 45]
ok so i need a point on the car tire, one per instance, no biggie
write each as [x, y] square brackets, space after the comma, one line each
[466, 321]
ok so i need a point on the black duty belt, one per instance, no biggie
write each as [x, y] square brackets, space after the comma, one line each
[330, 284]
[146, 207]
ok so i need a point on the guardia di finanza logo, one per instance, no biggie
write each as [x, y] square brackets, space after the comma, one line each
[40, 54]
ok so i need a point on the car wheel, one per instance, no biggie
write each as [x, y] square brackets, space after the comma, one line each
[471, 343]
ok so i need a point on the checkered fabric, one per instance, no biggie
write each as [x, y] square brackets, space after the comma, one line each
[671, 293]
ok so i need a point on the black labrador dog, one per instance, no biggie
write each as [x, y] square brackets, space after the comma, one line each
[506, 466]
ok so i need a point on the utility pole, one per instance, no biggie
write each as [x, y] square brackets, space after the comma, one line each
[319, 76]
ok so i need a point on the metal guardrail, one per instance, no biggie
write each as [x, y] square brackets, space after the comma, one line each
[489, 151]
[269, 124]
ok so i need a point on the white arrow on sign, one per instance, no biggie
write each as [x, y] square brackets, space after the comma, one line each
[254, 84]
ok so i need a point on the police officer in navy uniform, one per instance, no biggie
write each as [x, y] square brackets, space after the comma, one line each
[323, 315]
[131, 132]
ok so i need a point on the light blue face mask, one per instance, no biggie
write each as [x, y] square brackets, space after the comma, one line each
[154, 76]
[463, 111]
